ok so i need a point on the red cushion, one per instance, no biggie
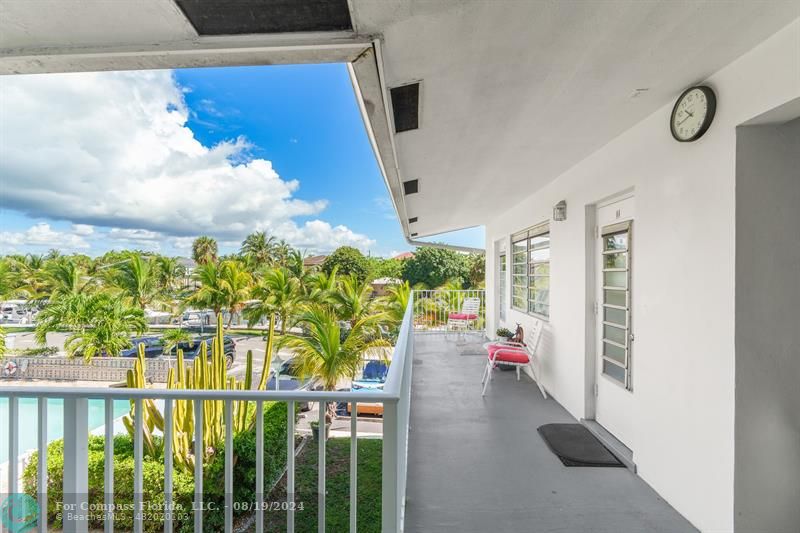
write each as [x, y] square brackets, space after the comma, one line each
[462, 316]
[509, 354]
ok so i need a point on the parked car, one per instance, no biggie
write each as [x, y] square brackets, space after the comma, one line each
[154, 347]
[192, 348]
[289, 382]
[372, 379]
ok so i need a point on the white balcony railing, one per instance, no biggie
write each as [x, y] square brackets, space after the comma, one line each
[446, 310]
[395, 398]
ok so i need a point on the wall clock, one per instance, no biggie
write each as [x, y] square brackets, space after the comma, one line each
[693, 113]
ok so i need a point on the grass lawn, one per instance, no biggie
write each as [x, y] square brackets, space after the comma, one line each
[337, 508]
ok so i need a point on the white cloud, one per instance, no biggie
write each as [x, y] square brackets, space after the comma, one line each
[82, 229]
[42, 235]
[113, 149]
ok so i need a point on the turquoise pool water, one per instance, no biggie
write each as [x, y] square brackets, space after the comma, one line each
[29, 421]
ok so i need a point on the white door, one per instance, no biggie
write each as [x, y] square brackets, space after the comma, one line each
[614, 251]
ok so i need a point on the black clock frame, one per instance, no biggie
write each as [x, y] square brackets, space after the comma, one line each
[711, 98]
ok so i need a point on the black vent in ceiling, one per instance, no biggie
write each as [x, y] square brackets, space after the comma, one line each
[405, 106]
[414, 234]
[232, 17]
[412, 220]
[411, 186]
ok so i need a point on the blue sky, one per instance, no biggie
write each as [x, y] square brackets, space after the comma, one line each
[91, 162]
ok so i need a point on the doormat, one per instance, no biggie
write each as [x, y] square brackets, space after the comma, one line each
[576, 446]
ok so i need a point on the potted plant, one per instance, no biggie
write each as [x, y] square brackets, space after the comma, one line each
[315, 429]
[504, 333]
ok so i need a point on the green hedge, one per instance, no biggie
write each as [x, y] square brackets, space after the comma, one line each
[275, 427]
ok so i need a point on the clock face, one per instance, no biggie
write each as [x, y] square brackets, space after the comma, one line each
[693, 113]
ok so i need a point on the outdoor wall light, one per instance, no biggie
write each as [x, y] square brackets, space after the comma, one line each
[560, 211]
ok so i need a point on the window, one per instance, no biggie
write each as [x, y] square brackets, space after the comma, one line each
[501, 285]
[530, 278]
[616, 310]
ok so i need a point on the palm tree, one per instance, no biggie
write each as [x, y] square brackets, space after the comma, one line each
[211, 292]
[394, 304]
[64, 278]
[320, 286]
[352, 301]
[169, 272]
[98, 323]
[68, 313]
[8, 279]
[278, 294]
[257, 249]
[174, 337]
[222, 286]
[111, 323]
[281, 252]
[29, 271]
[204, 250]
[236, 286]
[324, 353]
[137, 279]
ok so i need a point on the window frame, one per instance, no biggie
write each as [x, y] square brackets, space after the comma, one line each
[625, 346]
[502, 270]
[525, 303]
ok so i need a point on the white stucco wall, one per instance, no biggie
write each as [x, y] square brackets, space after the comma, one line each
[767, 473]
[684, 280]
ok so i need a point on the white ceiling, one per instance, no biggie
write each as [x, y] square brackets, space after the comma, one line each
[43, 23]
[514, 91]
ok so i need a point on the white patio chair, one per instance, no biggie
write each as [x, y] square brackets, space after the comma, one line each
[467, 317]
[516, 355]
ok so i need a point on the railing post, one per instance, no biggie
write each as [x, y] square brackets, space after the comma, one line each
[390, 510]
[76, 459]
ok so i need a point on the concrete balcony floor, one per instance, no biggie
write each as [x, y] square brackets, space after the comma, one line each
[478, 464]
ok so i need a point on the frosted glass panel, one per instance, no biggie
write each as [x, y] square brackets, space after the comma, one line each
[615, 316]
[614, 352]
[615, 279]
[614, 334]
[615, 242]
[613, 371]
[614, 297]
[619, 260]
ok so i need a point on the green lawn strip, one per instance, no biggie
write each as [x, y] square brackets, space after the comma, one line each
[337, 508]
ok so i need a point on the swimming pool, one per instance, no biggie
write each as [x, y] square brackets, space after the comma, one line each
[29, 421]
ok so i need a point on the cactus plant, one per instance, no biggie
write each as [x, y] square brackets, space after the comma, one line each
[152, 417]
[207, 372]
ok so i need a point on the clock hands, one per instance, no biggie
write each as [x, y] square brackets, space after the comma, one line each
[687, 118]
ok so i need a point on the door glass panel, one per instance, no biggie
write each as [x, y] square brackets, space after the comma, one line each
[619, 260]
[614, 352]
[614, 334]
[617, 373]
[615, 316]
[615, 279]
[616, 321]
[615, 297]
[615, 242]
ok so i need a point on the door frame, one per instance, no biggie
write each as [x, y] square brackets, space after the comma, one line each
[591, 374]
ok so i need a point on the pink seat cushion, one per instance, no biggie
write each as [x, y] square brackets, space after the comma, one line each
[462, 316]
[509, 354]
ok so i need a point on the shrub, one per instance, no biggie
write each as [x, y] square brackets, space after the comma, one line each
[350, 262]
[435, 266]
[244, 477]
